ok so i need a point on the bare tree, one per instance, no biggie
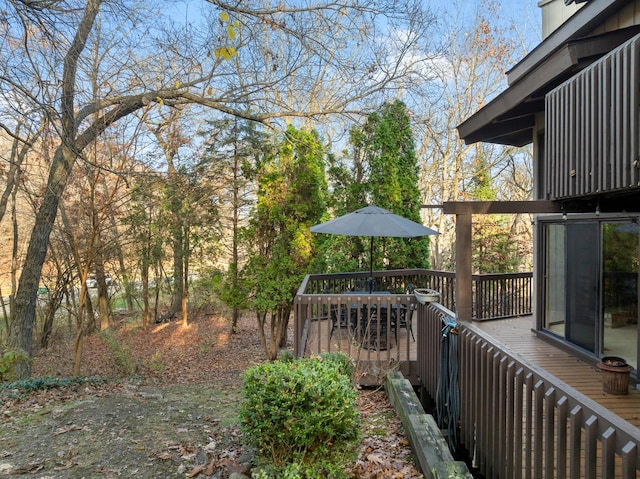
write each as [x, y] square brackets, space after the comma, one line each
[170, 137]
[46, 54]
[469, 72]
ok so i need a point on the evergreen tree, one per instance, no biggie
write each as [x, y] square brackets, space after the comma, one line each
[235, 149]
[291, 198]
[384, 172]
[495, 250]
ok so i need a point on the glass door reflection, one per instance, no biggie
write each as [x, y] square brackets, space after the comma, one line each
[620, 248]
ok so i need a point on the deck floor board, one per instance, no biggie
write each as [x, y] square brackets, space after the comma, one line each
[517, 334]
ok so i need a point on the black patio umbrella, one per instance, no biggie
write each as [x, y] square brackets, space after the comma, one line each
[373, 221]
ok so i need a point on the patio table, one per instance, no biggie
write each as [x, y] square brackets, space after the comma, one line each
[371, 334]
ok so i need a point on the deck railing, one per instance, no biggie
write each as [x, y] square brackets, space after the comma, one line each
[395, 281]
[496, 296]
[519, 421]
[337, 312]
[376, 329]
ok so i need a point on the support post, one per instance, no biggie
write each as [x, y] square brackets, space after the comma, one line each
[464, 287]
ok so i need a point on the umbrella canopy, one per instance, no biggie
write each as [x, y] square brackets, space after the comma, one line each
[373, 221]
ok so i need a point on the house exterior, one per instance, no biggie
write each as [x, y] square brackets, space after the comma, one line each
[576, 98]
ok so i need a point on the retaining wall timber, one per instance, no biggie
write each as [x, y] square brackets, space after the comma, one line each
[429, 445]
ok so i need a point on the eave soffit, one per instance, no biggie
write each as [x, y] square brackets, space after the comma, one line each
[509, 118]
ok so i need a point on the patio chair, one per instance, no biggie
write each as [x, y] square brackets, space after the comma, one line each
[359, 285]
[340, 320]
[374, 327]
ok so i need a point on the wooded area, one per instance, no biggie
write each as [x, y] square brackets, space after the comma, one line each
[172, 157]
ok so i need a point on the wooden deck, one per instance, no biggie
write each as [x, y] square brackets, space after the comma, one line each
[518, 336]
[568, 424]
[515, 333]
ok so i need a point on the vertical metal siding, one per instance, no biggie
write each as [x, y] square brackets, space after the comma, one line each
[592, 138]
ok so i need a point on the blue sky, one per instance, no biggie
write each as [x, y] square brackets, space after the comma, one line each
[523, 15]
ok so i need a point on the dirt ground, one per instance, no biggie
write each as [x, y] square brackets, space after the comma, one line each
[168, 409]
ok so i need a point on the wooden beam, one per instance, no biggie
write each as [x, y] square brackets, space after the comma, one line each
[500, 207]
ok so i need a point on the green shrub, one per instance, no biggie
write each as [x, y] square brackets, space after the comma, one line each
[8, 361]
[301, 417]
[323, 468]
[287, 356]
[343, 362]
[122, 356]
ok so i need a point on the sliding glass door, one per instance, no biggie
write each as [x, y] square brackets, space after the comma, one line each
[590, 288]
[554, 273]
[620, 290]
[582, 284]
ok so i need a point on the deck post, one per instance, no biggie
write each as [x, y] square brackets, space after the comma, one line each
[464, 211]
[464, 293]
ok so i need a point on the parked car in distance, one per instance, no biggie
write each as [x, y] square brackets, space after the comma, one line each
[92, 282]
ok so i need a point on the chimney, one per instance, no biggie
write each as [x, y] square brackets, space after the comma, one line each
[556, 12]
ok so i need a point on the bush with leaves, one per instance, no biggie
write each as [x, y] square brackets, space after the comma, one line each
[24, 387]
[301, 417]
[121, 354]
[343, 362]
[8, 360]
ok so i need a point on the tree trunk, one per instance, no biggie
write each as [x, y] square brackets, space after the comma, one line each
[273, 339]
[5, 315]
[79, 342]
[144, 277]
[55, 299]
[261, 317]
[178, 268]
[24, 313]
[185, 280]
[88, 306]
[235, 317]
[103, 308]
[103, 291]
[234, 238]
[14, 259]
[146, 315]
[283, 326]
[23, 320]
[78, 346]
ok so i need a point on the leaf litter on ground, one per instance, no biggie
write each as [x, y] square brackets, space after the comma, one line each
[176, 416]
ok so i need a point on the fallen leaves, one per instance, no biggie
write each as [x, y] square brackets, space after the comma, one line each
[196, 470]
[385, 451]
[165, 456]
[206, 445]
[28, 468]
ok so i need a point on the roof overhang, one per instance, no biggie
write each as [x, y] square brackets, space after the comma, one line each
[510, 117]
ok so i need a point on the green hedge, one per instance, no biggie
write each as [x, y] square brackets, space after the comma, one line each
[301, 417]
